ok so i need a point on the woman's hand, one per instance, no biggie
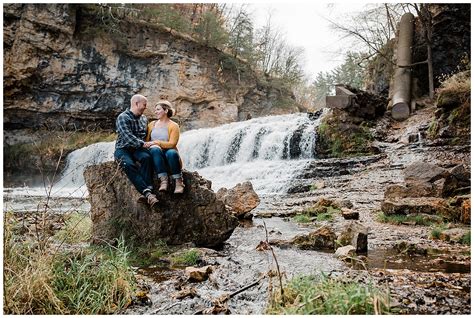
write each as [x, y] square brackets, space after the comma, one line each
[148, 144]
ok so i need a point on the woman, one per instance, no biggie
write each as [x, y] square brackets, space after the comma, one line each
[162, 138]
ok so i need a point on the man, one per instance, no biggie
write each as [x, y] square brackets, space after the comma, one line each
[130, 148]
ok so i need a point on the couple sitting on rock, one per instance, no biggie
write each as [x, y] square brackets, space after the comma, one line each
[152, 145]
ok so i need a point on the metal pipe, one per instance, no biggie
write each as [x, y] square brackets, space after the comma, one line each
[402, 79]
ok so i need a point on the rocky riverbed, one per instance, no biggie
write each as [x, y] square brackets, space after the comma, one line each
[426, 277]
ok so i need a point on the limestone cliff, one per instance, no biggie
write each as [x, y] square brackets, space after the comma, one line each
[62, 67]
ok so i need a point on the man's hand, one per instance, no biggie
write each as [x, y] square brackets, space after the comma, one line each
[148, 144]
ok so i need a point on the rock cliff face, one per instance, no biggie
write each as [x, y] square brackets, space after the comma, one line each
[64, 67]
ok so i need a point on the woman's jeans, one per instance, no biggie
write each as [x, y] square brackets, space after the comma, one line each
[164, 160]
[141, 177]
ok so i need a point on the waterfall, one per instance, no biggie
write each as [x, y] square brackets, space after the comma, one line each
[268, 151]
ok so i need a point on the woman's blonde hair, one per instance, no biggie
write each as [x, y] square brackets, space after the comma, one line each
[166, 105]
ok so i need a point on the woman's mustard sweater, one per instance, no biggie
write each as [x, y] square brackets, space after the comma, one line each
[173, 134]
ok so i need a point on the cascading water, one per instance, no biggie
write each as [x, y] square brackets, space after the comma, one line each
[268, 151]
[258, 150]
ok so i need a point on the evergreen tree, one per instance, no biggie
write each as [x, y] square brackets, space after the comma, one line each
[210, 30]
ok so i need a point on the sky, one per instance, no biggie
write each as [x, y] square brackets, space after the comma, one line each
[305, 24]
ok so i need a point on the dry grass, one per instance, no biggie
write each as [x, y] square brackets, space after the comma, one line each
[47, 281]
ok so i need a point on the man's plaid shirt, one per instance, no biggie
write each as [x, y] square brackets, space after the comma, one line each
[131, 130]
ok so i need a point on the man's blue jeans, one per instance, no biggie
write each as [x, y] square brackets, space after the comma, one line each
[141, 177]
[164, 159]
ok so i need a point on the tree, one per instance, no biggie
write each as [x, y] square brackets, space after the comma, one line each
[351, 73]
[210, 30]
[240, 28]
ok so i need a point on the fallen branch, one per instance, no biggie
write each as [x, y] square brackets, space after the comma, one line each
[219, 301]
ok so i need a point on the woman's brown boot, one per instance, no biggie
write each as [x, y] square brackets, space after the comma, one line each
[163, 183]
[179, 188]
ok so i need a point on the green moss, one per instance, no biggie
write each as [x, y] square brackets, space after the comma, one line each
[338, 142]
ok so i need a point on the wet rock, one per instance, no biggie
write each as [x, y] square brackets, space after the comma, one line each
[241, 198]
[345, 204]
[195, 216]
[458, 178]
[345, 252]
[198, 274]
[354, 234]
[413, 190]
[423, 172]
[348, 214]
[299, 188]
[322, 239]
[423, 205]
[185, 292]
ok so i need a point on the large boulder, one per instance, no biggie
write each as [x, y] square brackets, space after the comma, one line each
[241, 198]
[430, 190]
[423, 172]
[195, 216]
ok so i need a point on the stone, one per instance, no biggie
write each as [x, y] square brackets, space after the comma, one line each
[345, 204]
[413, 190]
[345, 252]
[348, 214]
[241, 198]
[200, 274]
[340, 101]
[466, 211]
[321, 239]
[423, 172]
[354, 234]
[426, 205]
[195, 216]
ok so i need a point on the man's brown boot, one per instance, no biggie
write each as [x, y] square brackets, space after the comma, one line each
[163, 183]
[152, 200]
[179, 188]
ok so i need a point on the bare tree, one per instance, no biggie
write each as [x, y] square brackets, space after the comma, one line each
[425, 18]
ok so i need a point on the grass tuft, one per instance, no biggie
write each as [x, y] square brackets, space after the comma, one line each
[320, 295]
[77, 229]
[186, 258]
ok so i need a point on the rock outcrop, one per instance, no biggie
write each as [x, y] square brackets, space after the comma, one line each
[195, 216]
[430, 190]
[65, 67]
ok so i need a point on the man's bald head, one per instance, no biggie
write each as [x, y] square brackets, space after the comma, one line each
[138, 104]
